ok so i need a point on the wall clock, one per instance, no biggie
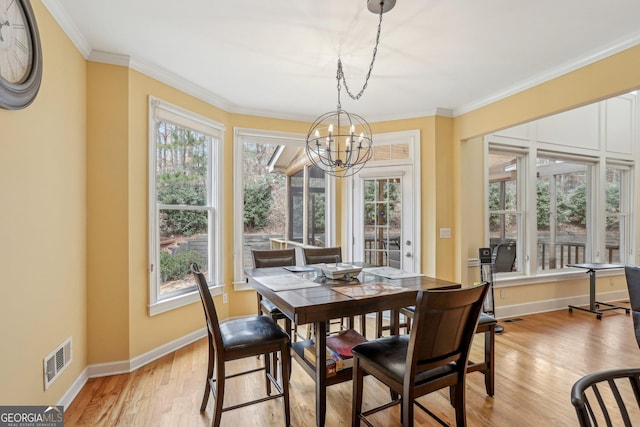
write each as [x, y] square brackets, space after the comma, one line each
[20, 54]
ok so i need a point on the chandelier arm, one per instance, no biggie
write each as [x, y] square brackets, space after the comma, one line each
[373, 59]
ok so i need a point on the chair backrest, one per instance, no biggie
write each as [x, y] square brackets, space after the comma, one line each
[213, 327]
[609, 397]
[632, 273]
[505, 257]
[273, 258]
[322, 255]
[444, 324]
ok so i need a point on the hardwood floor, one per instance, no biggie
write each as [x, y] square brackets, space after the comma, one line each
[538, 358]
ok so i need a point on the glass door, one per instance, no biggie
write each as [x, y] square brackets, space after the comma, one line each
[383, 220]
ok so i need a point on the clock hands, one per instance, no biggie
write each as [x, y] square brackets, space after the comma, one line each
[6, 24]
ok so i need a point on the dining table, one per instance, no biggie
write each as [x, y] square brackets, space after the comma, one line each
[307, 296]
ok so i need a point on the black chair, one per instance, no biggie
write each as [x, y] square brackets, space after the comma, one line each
[632, 274]
[273, 258]
[433, 356]
[322, 255]
[504, 257]
[237, 339]
[610, 397]
[331, 255]
[487, 326]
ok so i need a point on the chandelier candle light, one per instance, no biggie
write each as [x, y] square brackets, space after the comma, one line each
[339, 142]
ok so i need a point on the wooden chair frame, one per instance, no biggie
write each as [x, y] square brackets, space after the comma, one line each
[266, 343]
[437, 352]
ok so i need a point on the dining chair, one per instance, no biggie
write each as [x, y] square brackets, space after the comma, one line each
[486, 326]
[237, 339]
[632, 274]
[274, 258]
[609, 397]
[330, 255]
[432, 356]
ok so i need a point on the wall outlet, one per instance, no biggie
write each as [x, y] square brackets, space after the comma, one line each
[225, 299]
[503, 294]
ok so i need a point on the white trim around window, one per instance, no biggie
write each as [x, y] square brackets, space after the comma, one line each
[164, 111]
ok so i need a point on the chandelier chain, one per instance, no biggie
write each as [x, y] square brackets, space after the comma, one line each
[341, 76]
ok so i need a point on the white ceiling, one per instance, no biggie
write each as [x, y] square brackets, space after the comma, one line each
[278, 58]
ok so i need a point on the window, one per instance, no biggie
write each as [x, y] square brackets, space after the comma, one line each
[567, 225]
[282, 199]
[382, 206]
[563, 211]
[505, 215]
[616, 213]
[307, 197]
[184, 157]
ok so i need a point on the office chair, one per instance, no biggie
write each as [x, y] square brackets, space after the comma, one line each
[504, 257]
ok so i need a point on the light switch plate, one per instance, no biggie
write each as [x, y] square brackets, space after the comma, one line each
[445, 233]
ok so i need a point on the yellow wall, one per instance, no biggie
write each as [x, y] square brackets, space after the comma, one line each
[107, 220]
[74, 179]
[43, 225]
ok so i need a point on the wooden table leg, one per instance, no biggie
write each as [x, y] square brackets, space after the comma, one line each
[321, 373]
[394, 325]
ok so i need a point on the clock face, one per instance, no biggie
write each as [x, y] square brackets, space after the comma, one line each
[15, 42]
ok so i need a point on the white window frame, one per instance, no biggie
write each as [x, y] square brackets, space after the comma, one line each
[596, 216]
[267, 137]
[523, 236]
[161, 110]
[593, 189]
[626, 196]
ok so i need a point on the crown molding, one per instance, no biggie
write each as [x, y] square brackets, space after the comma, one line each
[57, 10]
[59, 13]
[556, 72]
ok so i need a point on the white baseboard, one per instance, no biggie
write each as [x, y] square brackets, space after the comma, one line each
[505, 312]
[127, 366]
[508, 311]
[75, 388]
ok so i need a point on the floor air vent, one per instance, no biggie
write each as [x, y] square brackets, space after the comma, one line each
[56, 362]
[515, 319]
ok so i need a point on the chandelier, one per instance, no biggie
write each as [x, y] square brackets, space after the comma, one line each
[339, 142]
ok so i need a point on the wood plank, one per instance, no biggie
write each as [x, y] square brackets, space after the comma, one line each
[538, 359]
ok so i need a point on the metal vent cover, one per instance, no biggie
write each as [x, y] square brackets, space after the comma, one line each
[56, 362]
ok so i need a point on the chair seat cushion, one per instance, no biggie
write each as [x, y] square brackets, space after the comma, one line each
[269, 307]
[238, 334]
[390, 354]
[486, 319]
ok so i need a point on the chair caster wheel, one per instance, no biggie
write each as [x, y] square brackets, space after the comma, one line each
[599, 316]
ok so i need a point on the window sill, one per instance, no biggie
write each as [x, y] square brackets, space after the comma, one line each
[510, 279]
[181, 300]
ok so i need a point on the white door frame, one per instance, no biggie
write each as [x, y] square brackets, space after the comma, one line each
[409, 169]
